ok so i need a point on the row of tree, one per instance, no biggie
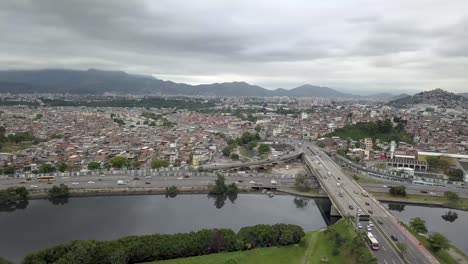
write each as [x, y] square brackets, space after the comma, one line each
[436, 240]
[12, 195]
[138, 249]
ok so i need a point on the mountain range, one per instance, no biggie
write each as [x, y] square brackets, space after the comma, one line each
[100, 82]
[436, 97]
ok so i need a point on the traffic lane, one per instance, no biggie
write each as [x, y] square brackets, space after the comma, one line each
[104, 182]
[412, 253]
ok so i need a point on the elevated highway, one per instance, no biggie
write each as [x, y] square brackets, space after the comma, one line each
[347, 197]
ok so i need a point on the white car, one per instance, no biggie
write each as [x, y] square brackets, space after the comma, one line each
[180, 178]
[75, 183]
[148, 177]
[371, 224]
[359, 226]
[385, 186]
[369, 228]
[252, 182]
[91, 182]
[33, 186]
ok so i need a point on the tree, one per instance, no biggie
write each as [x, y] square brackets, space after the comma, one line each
[251, 145]
[9, 170]
[397, 190]
[62, 166]
[235, 156]
[418, 225]
[93, 165]
[118, 161]
[22, 193]
[155, 164]
[4, 261]
[264, 149]
[455, 174]
[57, 192]
[302, 183]
[258, 128]
[437, 242]
[171, 191]
[46, 168]
[452, 196]
[136, 164]
[220, 187]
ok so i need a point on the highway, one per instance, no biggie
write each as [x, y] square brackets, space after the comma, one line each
[110, 182]
[329, 174]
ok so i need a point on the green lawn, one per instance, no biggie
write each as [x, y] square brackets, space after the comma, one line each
[367, 180]
[13, 147]
[312, 192]
[316, 246]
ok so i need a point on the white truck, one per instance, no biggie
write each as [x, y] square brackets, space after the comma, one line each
[121, 182]
[338, 184]
[273, 182]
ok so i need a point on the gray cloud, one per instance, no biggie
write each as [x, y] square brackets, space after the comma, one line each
[361, 44]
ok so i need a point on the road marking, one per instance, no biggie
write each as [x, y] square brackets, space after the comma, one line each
[385, 261]
[393, 261]
[384, 248]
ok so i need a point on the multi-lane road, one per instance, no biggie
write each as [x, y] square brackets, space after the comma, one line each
[334, 181]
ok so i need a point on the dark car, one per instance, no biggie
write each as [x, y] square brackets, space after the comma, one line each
[424, 191]
[394, 238]
[380, 222]
[240, 180]
[370, 211]
[339, 178]
[136, 179]
[186, 176]
[351, 207]
[367, 203]
[147, 182]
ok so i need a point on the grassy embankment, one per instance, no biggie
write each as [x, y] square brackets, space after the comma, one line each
[315, 246]
[423, 199]
[10, 147]
[442, 255]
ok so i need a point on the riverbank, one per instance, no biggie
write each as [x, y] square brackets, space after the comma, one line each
[131, 191]
[425, 200]
[315, 247]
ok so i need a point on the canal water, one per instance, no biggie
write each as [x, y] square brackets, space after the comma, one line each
[451, 223]
[41, 224]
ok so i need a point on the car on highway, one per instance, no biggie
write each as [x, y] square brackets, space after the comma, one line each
[356, 192]
[102, 175]
[370, 211]
[423, 191]
[359, 225]
[351, 207]
[240, 180]
[385, 186]
[371, 224]
[252, 182]
[186, 176]
[147, 182]
[75, 183]
[180, 178]
[91, 182]
[367, 203]
[380, 222]
[369, 228]
[22, 182]
[148, 177]
[394, 238]
[33, 186]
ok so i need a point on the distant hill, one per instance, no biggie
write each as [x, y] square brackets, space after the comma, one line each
[464, 94]
[437, 97]
[99, 82]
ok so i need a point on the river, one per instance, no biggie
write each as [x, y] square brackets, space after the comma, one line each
[451, 223]
[43, 224]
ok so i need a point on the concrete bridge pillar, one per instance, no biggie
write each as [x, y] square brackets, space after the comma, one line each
[334, 211]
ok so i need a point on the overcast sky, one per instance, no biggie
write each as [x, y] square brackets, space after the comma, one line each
[359, 45]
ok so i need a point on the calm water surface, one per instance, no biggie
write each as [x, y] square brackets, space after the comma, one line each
[43, 224]
[453, 225]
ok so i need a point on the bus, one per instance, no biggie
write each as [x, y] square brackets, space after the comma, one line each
[45, 178]
[373, 243]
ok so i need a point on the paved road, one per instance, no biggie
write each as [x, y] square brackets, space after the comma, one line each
[330, 174]
[110, 181]
[414, 189]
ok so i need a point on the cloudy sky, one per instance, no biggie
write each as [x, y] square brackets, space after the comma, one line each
[359, 45]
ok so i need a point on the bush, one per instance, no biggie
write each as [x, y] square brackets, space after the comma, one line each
[57, 192]
[137, 249]
[397, 190]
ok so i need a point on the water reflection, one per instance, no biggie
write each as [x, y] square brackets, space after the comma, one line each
[58, 201]
[300, 202]
[450, 216]
[396, 207]
[220, 200]
[11, 207]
